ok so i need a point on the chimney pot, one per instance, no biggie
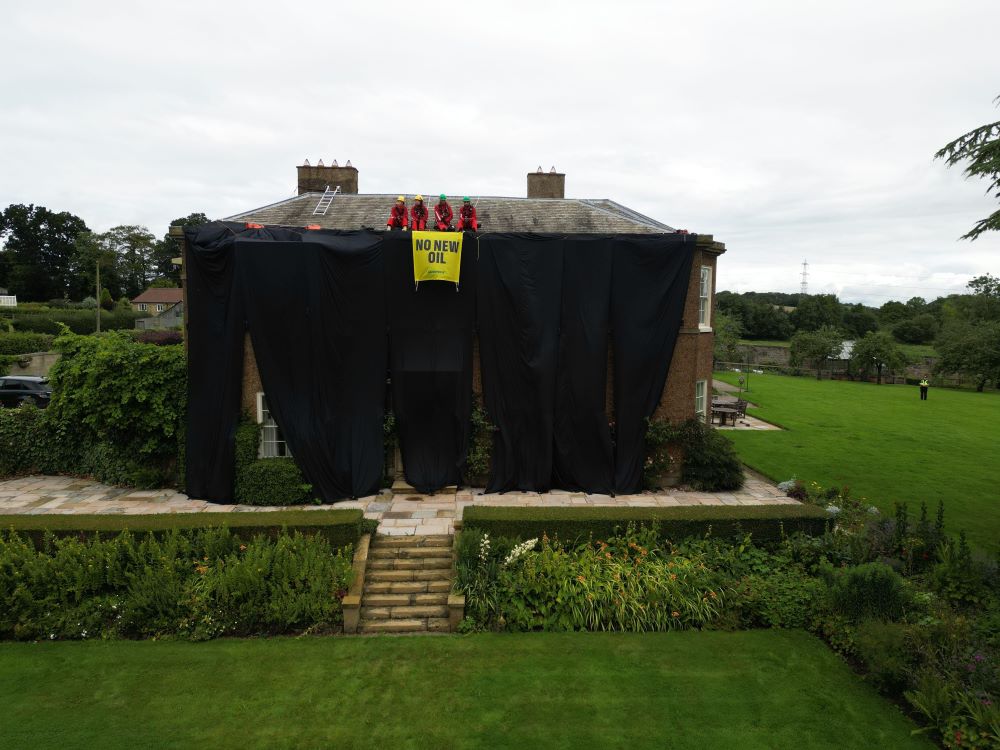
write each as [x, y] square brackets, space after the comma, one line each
[305, 163]
[348, 163]
[539, 170]
[319, 163]
[553, 170]
[334, 163]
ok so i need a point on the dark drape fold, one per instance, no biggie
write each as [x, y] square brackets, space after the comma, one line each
[430, 361]
[583, 458]
[650, 279]
[316, 313]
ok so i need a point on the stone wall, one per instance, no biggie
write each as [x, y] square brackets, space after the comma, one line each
[35, 364]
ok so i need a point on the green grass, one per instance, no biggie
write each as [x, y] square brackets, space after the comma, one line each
[758, 689]
[754, 342]
[884, 443]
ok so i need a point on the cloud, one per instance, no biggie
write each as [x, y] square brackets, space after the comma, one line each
[789, 130]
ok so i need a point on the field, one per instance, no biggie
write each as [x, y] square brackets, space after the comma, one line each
[884, 443]
[757, 689]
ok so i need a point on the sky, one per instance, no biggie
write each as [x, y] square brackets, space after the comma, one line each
[791, 130]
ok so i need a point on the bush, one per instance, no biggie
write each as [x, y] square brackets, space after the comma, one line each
[24, 343]
[479, 460]
[763, 522]
[710, 461]
[872, 591]
[159, 336]
[194, 584]
[884, 651]
[780, 599]
[266, 481]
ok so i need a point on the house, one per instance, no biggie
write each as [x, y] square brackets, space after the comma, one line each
[329, 198]
[157, 300]
[171, 317]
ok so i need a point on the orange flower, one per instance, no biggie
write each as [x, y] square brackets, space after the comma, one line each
[711, 594]
[581, 579]
[673, 576]
[242, 547]
[675, 613]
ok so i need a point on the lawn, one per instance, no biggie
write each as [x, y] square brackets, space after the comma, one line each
[757, 689]
[884, 443]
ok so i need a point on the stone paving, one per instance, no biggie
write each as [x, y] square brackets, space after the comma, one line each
[399, 513]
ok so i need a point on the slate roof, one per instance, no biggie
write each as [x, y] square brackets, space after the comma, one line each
[495, 214]
[155, 295]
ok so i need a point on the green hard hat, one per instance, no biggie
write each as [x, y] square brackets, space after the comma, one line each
[442, 196]
[465, 199]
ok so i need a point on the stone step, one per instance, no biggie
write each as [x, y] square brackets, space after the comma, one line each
[421, 563]
[405, 612]
[429, 625]
[376, 576]
[416, 540]
[406, 587]
[380, 553]
[402, 600]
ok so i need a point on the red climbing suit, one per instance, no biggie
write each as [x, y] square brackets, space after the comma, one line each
[418, 217]
[467, 218]
[397, 217]
[443, 216]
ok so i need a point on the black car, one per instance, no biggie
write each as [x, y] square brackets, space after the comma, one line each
[17, 390]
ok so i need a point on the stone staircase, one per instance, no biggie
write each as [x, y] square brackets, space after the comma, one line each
[407, 583]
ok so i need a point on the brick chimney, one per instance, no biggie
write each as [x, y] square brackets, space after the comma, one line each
[314, 179]
[549, 184]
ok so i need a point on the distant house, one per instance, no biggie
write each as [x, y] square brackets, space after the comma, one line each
[157, 300]
[7, 300]
[165, 306]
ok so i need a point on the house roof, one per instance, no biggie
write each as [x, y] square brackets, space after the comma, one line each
[169, 295]
[495, 214]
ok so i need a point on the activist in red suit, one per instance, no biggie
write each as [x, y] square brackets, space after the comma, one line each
[418, 214]
[467, 221]
[397, 217]
[443, 214]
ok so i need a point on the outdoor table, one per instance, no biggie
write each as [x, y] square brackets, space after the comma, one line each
[723, 411]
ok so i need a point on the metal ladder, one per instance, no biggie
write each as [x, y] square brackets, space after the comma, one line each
[325, 201]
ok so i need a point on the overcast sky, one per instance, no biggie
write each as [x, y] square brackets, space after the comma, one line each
[790, 130]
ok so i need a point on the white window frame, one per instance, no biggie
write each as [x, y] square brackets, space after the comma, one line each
[705, 299]
[272, 442]
[142, 307]
[701, 399]
[159, 307]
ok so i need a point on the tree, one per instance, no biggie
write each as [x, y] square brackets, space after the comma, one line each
[876, 351]
[920, 329]
[727, 337]
[893, 312]
[90, 249]
[859, 320]
[106, 301]
[980, 148]
[969, 342]
[816, 347]
[38, 248]
[815, 311]
[133, 247]
[168, 248]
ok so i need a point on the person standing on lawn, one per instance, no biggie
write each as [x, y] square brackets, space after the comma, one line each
[924, 385]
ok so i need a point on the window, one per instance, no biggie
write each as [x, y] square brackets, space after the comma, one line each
[272, 442]
[704, 298]
[143, 306]
[700, 386]
[159, 307]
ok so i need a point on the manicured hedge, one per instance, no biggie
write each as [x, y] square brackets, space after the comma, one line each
[266, 481]
[25, 342]
[78, 321]
[339, 526]
[764, 522]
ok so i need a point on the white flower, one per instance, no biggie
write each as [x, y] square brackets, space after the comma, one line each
[873, 510]
[520, 550]
[832, 510]
[484, 548]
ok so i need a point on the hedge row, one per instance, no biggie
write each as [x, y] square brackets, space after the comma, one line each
[340, 527]
[266, 481]
[24, 342]
[764, 522]
[78, 321]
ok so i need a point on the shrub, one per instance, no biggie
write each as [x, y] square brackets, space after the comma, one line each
[78, 321]
[160, 337]
[885, 652]
[872, 591]
[265, 481]
[763, 522]
[710, 461]
[479, 460]
[194, 584]
[24, 343]
[780, 599]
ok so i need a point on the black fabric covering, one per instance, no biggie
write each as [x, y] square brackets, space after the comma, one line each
[316, 313]
[649, 283]
[430, 359]
[318, 306]
[545, 306]
[520, 291]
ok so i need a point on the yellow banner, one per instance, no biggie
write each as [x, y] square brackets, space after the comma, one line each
[437, 256]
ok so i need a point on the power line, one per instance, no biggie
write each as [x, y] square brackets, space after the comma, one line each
[805, 275]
